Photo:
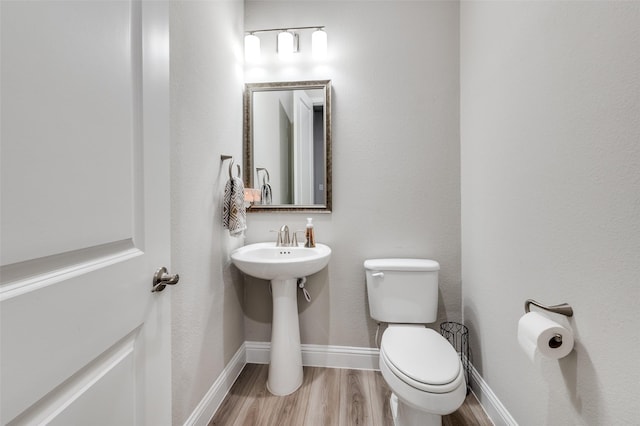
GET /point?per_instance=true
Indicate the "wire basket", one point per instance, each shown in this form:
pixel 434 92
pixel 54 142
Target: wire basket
pixel 458 335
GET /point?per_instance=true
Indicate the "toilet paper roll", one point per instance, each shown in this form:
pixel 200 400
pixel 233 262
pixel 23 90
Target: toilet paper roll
pixel 539 334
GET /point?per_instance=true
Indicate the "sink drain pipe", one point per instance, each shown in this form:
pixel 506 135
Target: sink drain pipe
pixel 301 282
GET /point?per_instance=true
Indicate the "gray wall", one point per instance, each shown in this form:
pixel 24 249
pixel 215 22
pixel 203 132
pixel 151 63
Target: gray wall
pixel 550 131
pixel 394 71
pixel 206 121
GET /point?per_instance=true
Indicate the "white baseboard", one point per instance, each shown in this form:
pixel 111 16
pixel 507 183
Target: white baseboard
pixel 350 357
pixel 257 352
pixel 496 411
pixel 208 406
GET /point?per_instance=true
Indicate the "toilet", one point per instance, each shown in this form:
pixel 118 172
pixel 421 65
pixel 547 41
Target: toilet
pixel 422 369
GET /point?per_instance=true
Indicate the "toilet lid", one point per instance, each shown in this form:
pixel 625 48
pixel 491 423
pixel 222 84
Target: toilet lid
pixel 421 354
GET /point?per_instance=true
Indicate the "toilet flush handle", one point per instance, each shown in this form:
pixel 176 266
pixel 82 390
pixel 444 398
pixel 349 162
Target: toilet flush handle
pixel 378 274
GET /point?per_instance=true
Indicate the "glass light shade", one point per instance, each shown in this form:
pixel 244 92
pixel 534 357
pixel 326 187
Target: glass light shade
pixel 285 45
pixel 251 48
pixel 319 44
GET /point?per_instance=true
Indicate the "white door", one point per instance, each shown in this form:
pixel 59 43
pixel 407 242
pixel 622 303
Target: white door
pixel 302 148
pixel 85 213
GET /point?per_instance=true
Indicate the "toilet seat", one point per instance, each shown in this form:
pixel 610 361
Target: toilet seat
pixel 421 358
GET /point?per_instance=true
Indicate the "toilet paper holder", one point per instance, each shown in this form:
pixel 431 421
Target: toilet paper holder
pixel 562 309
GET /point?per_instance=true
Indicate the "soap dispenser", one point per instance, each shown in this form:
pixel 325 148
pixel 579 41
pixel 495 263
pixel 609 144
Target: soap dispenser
pixel 310 238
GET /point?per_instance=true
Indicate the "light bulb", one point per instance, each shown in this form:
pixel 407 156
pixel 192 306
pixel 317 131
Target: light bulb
pixel 251 48
pixel 319 44
pixel 285 45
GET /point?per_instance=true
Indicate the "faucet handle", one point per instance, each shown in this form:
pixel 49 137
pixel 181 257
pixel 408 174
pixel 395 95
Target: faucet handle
pixel 279 242
pixel 294 242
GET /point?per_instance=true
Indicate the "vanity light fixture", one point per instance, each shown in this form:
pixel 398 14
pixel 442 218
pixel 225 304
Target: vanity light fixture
pixel 251 47
pixel 286 45
pixel 288 42
pixel 319 43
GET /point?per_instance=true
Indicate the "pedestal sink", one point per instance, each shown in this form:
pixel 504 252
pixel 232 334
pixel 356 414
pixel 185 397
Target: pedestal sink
pixel 283 266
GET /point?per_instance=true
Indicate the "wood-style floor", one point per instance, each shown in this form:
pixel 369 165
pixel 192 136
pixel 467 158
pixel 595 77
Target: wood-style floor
pixel 327 397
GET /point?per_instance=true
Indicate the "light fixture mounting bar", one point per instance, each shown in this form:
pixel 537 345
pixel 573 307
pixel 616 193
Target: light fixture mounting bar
pixel 316 27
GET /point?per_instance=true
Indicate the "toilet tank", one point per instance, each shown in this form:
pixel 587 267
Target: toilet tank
pixel 402 290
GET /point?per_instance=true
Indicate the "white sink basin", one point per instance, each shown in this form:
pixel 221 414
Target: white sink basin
pixel 266 261
pixel 283 266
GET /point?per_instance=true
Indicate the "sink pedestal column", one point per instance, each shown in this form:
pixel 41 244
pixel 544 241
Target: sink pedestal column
pixel 285 368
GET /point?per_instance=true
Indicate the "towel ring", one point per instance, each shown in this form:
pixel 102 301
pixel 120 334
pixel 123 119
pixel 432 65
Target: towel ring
pixel 229 157
pixel 231 169
pixel 258 170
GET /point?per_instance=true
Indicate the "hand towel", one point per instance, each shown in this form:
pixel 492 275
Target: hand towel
pixel 266 193
pixel 234 215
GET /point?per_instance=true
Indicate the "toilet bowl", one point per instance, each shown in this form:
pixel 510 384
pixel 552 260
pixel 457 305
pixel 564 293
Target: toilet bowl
pixel 424 373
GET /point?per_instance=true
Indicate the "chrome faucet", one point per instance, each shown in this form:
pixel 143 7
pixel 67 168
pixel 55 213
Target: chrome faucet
pixel 283 237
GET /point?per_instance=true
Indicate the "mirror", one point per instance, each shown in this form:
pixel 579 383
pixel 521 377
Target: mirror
pixel 287 145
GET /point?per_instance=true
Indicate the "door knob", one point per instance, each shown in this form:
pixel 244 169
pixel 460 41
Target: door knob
pixel 161 279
